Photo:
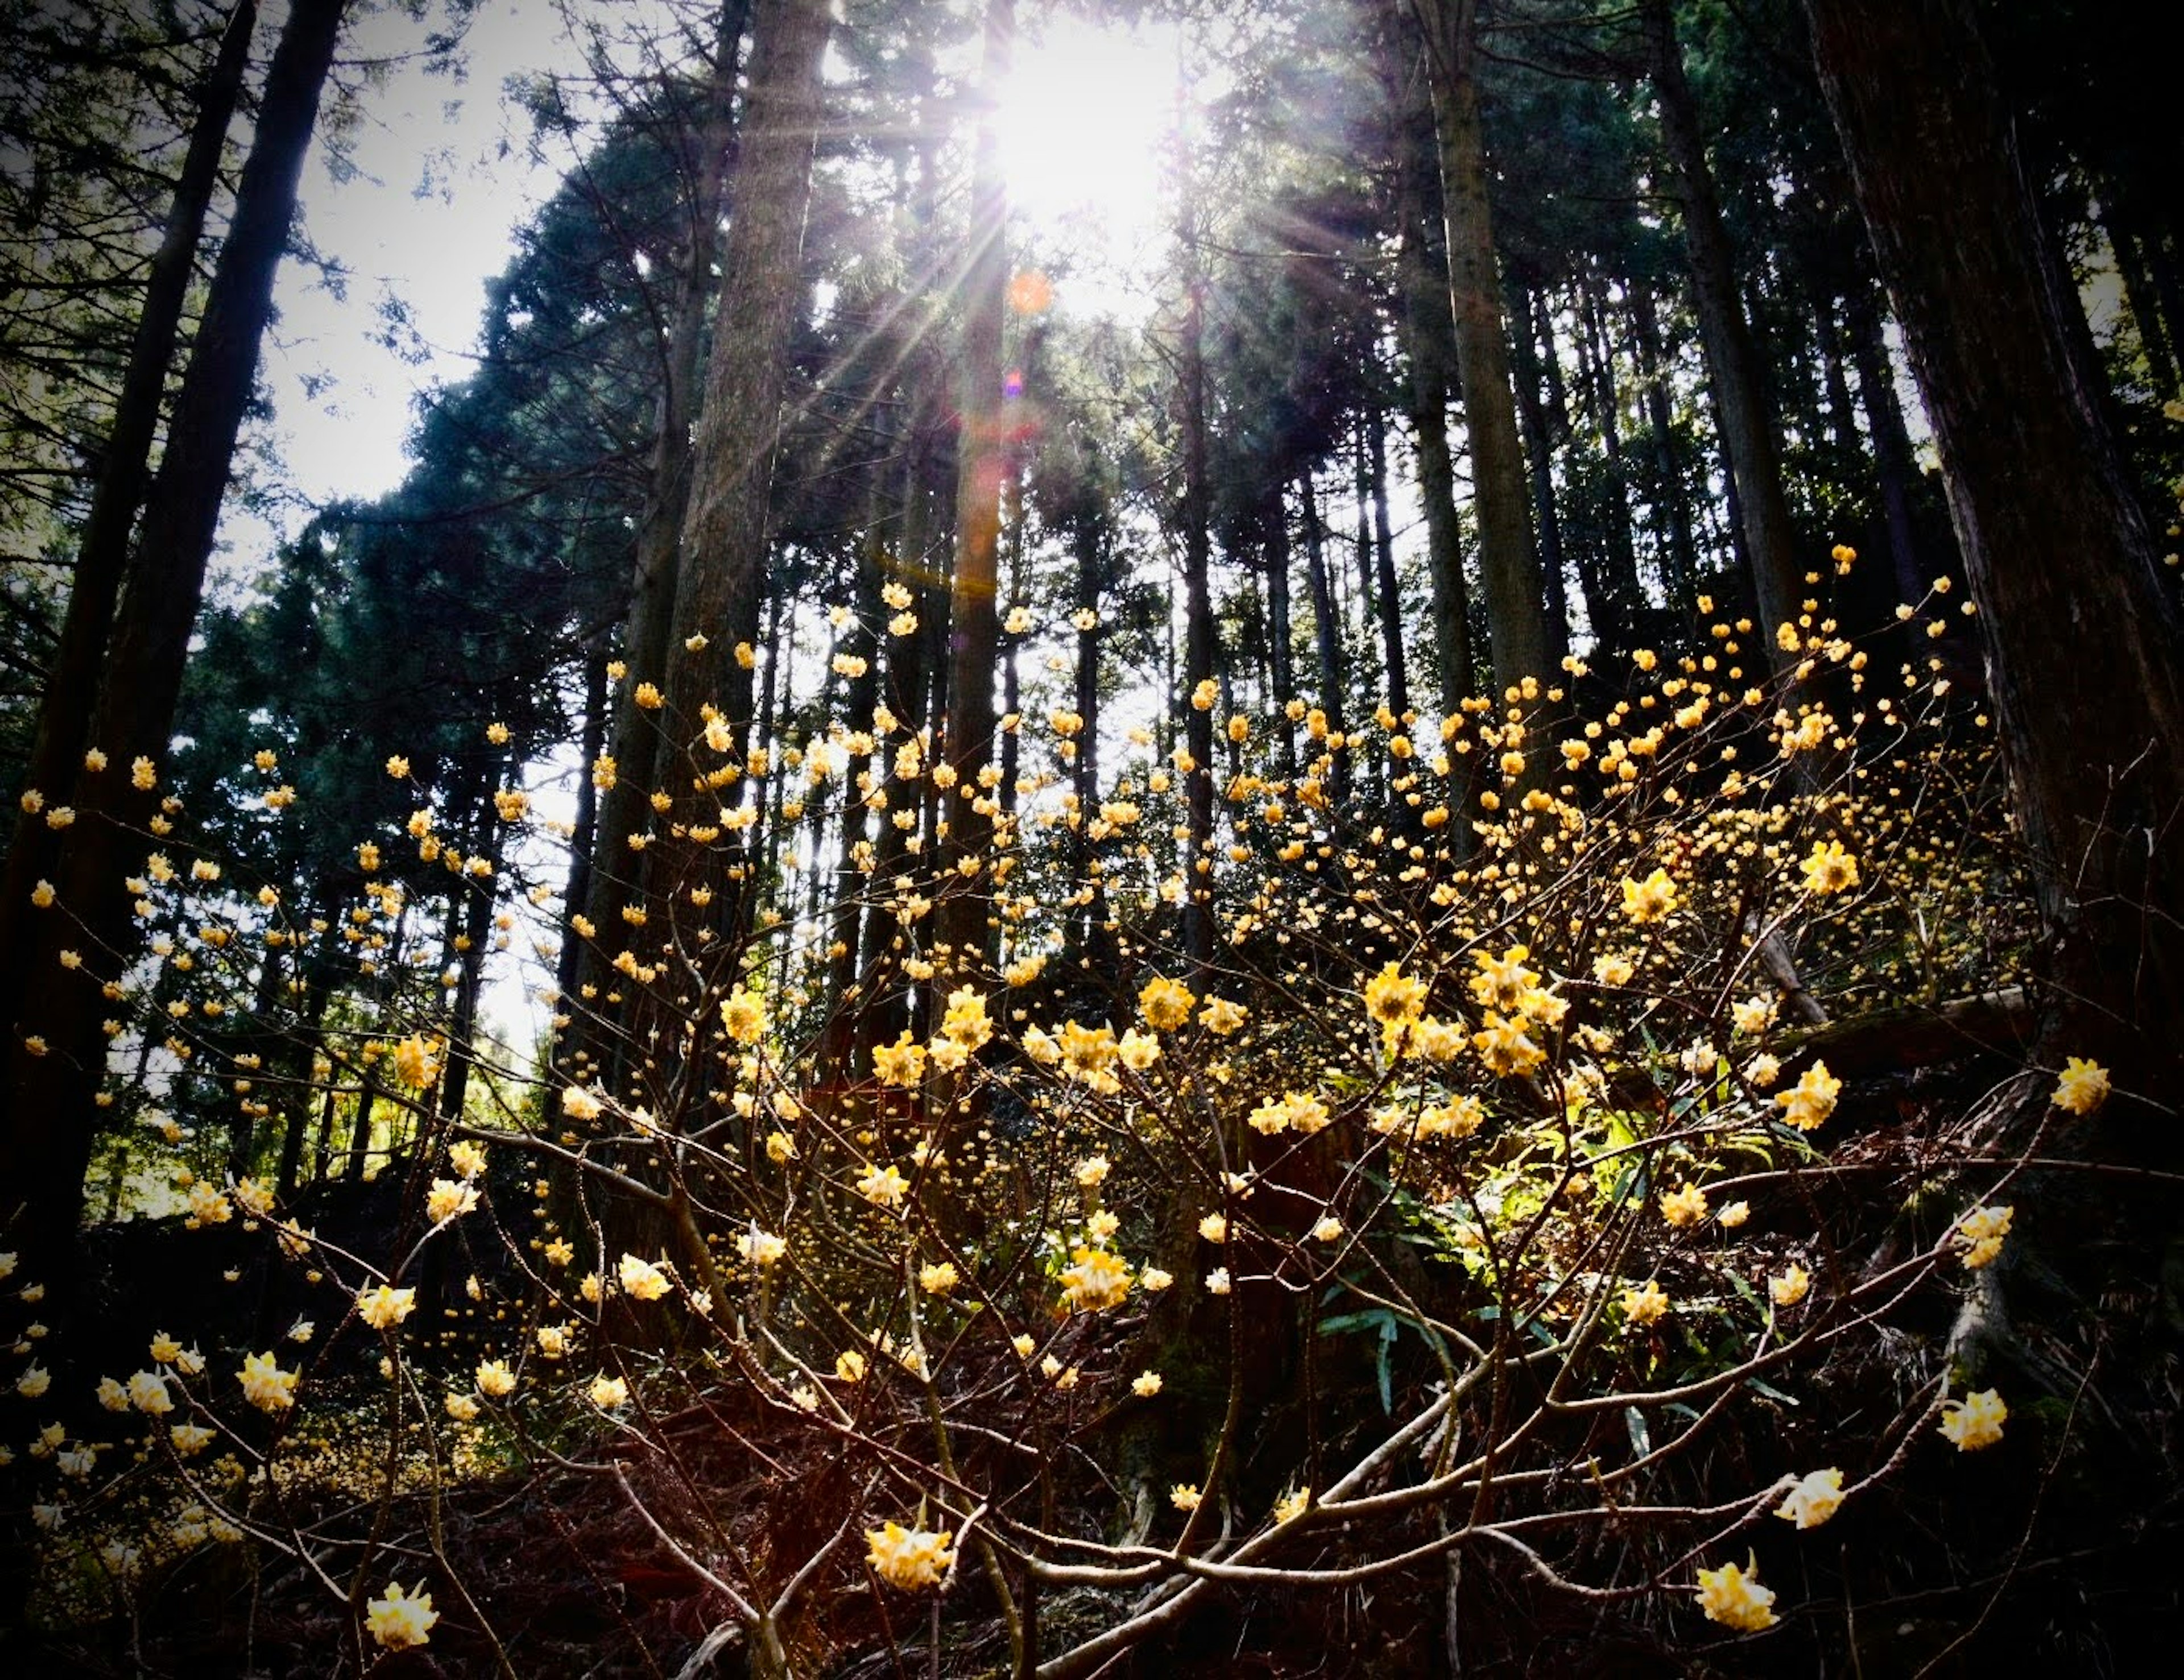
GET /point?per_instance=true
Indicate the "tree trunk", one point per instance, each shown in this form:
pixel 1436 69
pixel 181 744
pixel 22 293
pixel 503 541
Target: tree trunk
pixel 1683 552
pixel 1383 560
pixel 2083 638
pixel 1428 333
pixel 648 649
pixel 1539 448
pixel 726 529
pixel 1895 467
pixel 1198 926
pixel 1747 427
pixel 974 624
pixel 45 1146
pixel 71 681
pixel 1508 563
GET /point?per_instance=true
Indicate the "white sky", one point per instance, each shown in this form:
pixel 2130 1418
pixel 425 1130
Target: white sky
pixel 443 178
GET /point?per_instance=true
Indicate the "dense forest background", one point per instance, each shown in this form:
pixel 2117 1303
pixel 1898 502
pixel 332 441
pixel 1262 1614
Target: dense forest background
pixel 1375 941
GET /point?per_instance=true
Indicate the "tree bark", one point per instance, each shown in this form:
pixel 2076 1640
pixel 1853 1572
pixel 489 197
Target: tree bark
pixel 1747 426
pixel 2083 639
pixel 71 684
pixel 614 872
pixel 45 1147
pixel 1508 563
pixel 974 625
pixel 1428 333
pixel 726 529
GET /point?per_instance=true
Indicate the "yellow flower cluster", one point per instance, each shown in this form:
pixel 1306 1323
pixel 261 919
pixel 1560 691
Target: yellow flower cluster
pixel 1813 1100
pixel 400 1619
pixel 910 1557
pixel 1732 1596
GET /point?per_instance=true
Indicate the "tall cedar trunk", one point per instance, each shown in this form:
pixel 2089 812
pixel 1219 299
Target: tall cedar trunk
pixel 1683 552
pixel 1281 658
pixel 1895 467
pixel 46 1145
pixel 1428 336
pixel 1383 565
pixel 613 875
pixel 838 1042
pixel 974 622
pixel 1747 426
pixel 1327 628
pixel 103 546
pixel 569 969
pixel 1087 934
pixel 1620 552
pixel 1539 448
pixel 1508 564
pixel 2140 293
pixel 1199 936
pixel 725 531
pixel 2083 639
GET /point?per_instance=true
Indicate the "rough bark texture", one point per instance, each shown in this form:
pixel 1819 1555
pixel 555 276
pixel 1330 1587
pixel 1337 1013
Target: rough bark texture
pixel 2083 640
pixel 47 1143
pixel 646 645
pixel 1508 563
pixel 726 530
pixel 974 625
pixel 1428 335
pixel 102 547
pixel 1747 425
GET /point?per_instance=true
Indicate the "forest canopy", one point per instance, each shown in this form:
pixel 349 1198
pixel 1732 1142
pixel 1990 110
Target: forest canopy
pixel 1336 837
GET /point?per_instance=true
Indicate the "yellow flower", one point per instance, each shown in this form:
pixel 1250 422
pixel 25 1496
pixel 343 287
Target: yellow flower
pixel 495 1380
pixel 1975 1421
pixel 850 1365
pixel 1092 1171
pixel 463 1408
pixel 1813 1100
pixel 1981 1232
pixel 1502 981
pixel 385 1306
pixel 1292 1505
pixel 884 1187
pixel 608 1391
pixel 397 767
pixel 1648 900
pixel 1329 1229
pixel 265 1385
pixel 761 1248
pixel 1505 1046
pixel 413 1063
pixel 400 1619
pixel 34 1381
pixel 909 1558
pixel 1790 1288
pixel 1812 1500
pixel 1644 1304
pixel 641 1280
pixel 2082 1088
pixel 1684 1206
pixel 648 697
pixel 1095 1281
pixel 1735 1214
pixel 1146 1384
pixel 1214 1228
pixel 1221 1017
pixel 1393 999
pixel 468 1159
pixel 937 1279
pixel 449 1198
pixel 965 1020
pixel 901 1063
pixel 1829 869
pixel 579 1104
pixel 1733 1596
pixel 1183 1497
pixel 743 1015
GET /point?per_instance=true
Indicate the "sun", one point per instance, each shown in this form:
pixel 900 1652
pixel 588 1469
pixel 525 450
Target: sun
pixel 1084 123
